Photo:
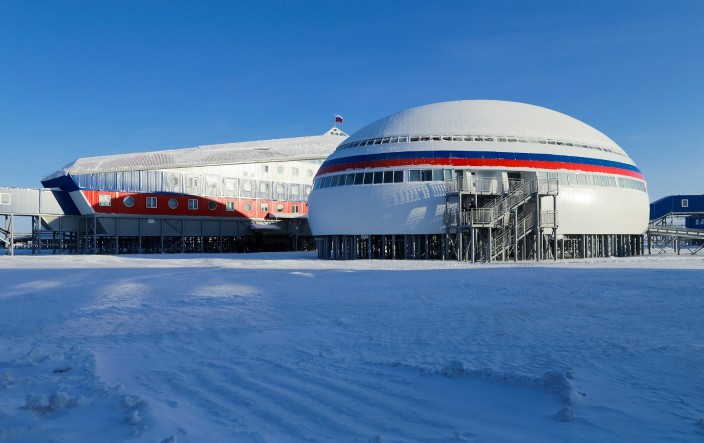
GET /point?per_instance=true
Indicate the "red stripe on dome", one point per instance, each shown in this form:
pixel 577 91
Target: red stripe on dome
pixel 482 162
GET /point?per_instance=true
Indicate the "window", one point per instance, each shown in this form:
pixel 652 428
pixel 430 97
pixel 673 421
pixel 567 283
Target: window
pixel 295 189
pixel 192 204
pixel 414 175
pixel 193 182
pixel 105 200
pixel 388 176
pixel 247 186
pixel 437 175
pixel 212 205
pixel 279 208
pixel 4 198
pixel 151 202
pixel 294 209
pixel 264 187
pixel 110 181
pixel 279 189
pixel 230 184
pixel 173 203
pixel 294 171
pixel 230 206
pixel 398 176
pixel 359 178
pixel 248 207
pixel 128 201
pixel 279 169
pixel 685 203
pixel 265 168
pixel 173 180
pixel 426 175
pixel 309 172
pixel 264 207
pixel 368 176
pixel 349 179
pixel 378 177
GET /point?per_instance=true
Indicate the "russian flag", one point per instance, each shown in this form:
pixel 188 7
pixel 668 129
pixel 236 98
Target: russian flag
pixel 338 118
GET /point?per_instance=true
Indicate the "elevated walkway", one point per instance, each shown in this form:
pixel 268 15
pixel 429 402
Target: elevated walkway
pixel 670 233
pixel 676 223
pixel 676 231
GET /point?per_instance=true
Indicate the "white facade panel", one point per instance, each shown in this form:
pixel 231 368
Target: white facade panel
pixel 379 209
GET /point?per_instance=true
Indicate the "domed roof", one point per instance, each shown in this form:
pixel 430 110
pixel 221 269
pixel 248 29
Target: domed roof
pixel 486 118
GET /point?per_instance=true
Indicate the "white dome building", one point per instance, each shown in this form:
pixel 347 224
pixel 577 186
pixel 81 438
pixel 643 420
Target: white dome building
pixel 478 179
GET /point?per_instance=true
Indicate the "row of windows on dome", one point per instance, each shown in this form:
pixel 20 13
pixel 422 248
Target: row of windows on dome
pixel 441 175
pixel 576 179
pixel 473 138
pixel 379 177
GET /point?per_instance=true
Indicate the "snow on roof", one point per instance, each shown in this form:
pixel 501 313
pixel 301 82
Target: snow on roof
pixel 484 117
pixel 283 149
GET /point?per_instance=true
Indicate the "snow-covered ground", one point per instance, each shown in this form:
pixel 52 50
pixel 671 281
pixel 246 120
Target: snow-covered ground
pixel 285 348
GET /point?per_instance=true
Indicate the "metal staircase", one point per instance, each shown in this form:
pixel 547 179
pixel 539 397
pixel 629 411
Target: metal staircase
pixel 504 221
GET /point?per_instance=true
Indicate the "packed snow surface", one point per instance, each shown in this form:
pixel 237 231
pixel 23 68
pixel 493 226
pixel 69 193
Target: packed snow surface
pixel 286 348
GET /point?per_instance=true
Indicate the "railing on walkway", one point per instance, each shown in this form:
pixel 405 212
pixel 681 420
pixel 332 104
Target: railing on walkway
pixel 678 231
pixel 548 219
pixel 503 239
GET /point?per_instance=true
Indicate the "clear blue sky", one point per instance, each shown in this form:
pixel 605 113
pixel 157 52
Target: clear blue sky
pixel 87 78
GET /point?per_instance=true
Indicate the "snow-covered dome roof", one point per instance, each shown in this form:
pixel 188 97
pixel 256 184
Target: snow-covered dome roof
pixel 485 118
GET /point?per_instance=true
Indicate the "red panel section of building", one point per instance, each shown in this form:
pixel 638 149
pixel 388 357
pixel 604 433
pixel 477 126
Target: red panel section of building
pixel 105 202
